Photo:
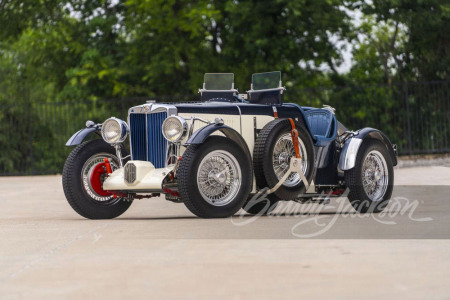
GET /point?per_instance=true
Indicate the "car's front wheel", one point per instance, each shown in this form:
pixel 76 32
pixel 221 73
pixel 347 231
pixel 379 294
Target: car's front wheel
pixel 82 179
pixel 214 178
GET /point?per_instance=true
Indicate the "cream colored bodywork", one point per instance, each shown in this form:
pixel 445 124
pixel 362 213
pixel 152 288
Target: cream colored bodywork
pixel 245 125
pixel 150 179
pixel 233 121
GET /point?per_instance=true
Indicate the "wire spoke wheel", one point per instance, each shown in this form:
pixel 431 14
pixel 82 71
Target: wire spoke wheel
pixel 215 177
pixel 219 177
pixel 283 151
pixel 83 176
pixel 272 155
pixel 87 172
pixel 371 180
pixel 375 175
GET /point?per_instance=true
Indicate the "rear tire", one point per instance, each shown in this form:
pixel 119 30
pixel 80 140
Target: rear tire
pixel 214 178
pixel 80 195
pixel 373 164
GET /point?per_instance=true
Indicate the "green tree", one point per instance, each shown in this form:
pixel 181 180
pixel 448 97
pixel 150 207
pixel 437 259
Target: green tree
pixel 426 51
pixel 378 55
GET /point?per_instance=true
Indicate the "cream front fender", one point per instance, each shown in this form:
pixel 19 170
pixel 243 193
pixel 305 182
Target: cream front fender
pixel 148 179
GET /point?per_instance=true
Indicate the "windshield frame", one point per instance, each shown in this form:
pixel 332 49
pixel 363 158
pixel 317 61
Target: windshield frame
pixel 266 76
pixel 218 86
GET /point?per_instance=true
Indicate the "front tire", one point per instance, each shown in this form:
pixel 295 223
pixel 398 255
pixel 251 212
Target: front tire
pixel 214 178
pixel 371 181
pixel 89 201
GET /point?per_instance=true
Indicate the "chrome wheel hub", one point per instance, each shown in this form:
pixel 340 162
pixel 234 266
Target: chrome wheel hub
pixel 375 176
pixel 283 159
pixel 283 151
pixel 219 177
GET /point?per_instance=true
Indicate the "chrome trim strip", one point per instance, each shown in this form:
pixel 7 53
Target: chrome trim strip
pixel 240 117
pixel 131 146
pixel 281 89
pixel 347 158
pixel 217 91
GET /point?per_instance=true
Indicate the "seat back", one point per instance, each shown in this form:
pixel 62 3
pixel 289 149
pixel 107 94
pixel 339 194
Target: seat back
pixel 322 125
pixel 319 121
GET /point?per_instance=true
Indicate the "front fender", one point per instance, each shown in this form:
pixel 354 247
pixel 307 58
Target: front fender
pixel 80 135
pixel 349 152
pixel 203 133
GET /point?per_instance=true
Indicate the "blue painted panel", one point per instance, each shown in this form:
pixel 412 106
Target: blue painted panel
pixel 157 144
pixel 138 137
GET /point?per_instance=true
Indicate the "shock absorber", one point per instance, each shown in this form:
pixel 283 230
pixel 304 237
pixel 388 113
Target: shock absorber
pixel 108 166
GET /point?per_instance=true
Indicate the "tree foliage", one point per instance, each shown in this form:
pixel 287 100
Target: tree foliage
pixel 68 50
pixel 65 51
pixel 414 34
pixel 62 50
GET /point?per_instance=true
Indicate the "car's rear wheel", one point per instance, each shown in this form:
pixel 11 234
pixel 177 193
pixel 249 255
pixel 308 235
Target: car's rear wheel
pixel 83 176
pixel 214 178
pixel 371 180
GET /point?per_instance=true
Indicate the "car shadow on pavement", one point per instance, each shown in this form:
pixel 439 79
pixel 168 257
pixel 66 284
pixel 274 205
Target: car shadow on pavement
pixel 237 216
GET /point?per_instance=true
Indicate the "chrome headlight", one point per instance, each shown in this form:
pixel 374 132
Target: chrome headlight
pixel 174 128
pixel 114 131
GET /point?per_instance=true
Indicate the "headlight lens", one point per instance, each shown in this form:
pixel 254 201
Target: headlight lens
pixel 114 131
pixel 174 128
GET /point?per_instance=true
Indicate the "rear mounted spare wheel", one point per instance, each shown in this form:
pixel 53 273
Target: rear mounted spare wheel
pixel 271 158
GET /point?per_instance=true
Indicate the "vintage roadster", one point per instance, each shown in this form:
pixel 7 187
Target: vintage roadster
pixel 228 151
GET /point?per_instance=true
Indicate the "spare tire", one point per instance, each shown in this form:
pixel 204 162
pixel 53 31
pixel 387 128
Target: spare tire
pixel 271 157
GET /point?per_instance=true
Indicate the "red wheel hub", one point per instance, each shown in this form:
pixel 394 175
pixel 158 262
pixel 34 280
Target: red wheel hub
pixel 97 173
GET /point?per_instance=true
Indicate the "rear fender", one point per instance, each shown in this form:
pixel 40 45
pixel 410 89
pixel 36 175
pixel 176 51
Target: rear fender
pixel 351 147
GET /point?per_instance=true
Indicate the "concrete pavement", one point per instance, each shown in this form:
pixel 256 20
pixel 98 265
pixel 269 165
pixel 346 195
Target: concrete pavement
pixel 159 249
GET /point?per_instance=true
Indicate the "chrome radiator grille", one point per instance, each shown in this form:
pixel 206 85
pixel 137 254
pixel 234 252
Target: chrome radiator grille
pixel 147 141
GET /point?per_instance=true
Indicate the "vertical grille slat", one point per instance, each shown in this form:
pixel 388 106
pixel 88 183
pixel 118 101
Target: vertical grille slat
pixel 156 142
pixel 137 129
pixel 147 128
